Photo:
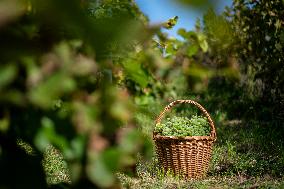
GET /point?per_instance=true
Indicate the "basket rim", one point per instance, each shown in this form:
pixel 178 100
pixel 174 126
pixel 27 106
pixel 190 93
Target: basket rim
pixel 161 137
pixel 203 110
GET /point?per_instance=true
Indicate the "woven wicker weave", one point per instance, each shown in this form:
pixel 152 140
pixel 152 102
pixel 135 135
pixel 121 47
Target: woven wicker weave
pixel 185 156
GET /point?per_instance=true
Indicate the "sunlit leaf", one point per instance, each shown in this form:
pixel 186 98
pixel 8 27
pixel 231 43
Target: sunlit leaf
pixel 186 34
pixel 77 146
pixel 144 100
pixel 202 42
pixel 112 158
pixel 199 71
pixel 130 141
pixel 4 124
pixel 192 50
pixel 99 172
pixel 47 136
pixel 7 74
pixel 120 111
pixel 136 73
pixel 41 141
pixel 52 89
pixel 171 22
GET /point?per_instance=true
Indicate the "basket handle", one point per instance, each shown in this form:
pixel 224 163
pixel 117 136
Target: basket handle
pixel 169 107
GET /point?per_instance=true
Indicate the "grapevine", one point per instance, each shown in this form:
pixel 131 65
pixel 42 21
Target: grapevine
pixel 183 126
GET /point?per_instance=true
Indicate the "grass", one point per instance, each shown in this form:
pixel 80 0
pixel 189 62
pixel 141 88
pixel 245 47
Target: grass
pixel 216 182
pixel 242 158
pixel 246 155
pixel 55 168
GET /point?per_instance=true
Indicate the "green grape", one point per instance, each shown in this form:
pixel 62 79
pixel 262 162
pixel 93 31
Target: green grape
pixel 183 126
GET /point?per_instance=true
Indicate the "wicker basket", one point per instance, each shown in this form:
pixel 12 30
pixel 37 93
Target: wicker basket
pixel 188 157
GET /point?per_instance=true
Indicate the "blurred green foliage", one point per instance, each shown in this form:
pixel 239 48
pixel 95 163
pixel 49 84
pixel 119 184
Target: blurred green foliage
pixel 89 77
pixel 56 87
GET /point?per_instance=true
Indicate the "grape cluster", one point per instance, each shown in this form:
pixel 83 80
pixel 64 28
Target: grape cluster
pixel 183 126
